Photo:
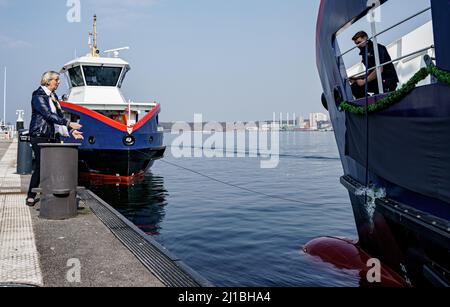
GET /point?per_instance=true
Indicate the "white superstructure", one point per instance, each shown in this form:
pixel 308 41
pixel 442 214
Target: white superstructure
pixel 95 82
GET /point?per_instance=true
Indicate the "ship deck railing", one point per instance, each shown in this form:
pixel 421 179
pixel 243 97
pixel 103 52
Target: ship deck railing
pixel 408 57
pixel 389 28
pixel 374 37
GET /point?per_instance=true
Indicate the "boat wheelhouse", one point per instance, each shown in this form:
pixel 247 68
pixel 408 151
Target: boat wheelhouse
pixel 122 138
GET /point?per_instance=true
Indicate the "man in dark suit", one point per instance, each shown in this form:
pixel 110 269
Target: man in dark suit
pixel 47 125
pixel 388 72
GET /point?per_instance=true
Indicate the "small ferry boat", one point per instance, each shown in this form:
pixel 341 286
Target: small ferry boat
pixel 122 139
pixel 393 146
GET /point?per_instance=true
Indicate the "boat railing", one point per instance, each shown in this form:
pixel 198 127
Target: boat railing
pixel 388 29
pixel 374 37
pixel 152 104
pixel 408 57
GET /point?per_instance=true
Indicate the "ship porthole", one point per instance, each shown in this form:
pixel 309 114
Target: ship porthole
pixel 129 140
pixel 151 139
pixel 91 140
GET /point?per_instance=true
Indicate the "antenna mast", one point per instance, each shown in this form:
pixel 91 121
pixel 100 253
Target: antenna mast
pixel 94 51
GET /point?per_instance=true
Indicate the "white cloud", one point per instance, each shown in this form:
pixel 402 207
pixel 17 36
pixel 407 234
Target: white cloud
pixel 11 43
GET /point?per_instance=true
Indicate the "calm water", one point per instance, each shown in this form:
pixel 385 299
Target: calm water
pixel 236 237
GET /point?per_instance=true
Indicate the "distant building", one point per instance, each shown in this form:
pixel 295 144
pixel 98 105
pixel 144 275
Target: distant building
pixel 315 118
pixel 300 122
pixel 324 126
pixel 274 126
pixel 307 124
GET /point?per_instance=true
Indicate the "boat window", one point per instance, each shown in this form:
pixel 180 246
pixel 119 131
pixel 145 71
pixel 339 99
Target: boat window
pixel 76 77
pixel 405 30
pixel 125 71
pixel 101 75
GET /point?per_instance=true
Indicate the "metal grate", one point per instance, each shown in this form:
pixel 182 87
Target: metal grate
pixel 168 268
pixel 19 260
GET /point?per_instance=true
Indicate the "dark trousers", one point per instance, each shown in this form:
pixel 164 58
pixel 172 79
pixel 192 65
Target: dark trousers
pixel 36 177
pixel 359 91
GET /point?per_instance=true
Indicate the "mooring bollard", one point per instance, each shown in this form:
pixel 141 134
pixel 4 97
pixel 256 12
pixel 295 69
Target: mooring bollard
pixel 59 180
pixel 24 154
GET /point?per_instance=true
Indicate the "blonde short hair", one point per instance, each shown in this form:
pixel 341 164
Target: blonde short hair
pixel 49 76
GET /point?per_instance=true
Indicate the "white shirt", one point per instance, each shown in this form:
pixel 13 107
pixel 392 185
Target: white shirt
pixel 62 130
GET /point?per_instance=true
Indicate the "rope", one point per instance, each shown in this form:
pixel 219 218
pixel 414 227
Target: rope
pixel 366 113
pixel 233 185
pixel 239 187
pixel 257 154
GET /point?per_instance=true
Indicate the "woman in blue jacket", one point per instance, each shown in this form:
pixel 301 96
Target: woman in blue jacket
pixel 47 125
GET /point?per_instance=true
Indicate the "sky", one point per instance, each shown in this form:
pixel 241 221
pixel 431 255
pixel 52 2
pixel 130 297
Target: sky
pixel 230 60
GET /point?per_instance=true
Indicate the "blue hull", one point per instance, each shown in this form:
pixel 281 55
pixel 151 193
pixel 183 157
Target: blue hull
pixel 108 147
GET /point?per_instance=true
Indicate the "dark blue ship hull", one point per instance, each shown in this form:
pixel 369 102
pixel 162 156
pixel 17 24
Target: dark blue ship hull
pixel 127 163
pixel 404 151
pixel 110 148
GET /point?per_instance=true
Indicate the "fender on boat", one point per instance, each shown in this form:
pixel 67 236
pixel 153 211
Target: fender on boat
pixel 346 254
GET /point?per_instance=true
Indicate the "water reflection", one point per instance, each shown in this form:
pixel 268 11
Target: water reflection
pixel 143 203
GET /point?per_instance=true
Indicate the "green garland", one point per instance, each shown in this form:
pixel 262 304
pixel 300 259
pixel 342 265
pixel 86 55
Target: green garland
pixel 395 97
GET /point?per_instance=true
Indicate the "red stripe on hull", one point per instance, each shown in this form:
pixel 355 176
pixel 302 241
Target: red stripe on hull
pixel 108 121
pixel 96 179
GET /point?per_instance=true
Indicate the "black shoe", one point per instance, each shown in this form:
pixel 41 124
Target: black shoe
pixel 30 202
